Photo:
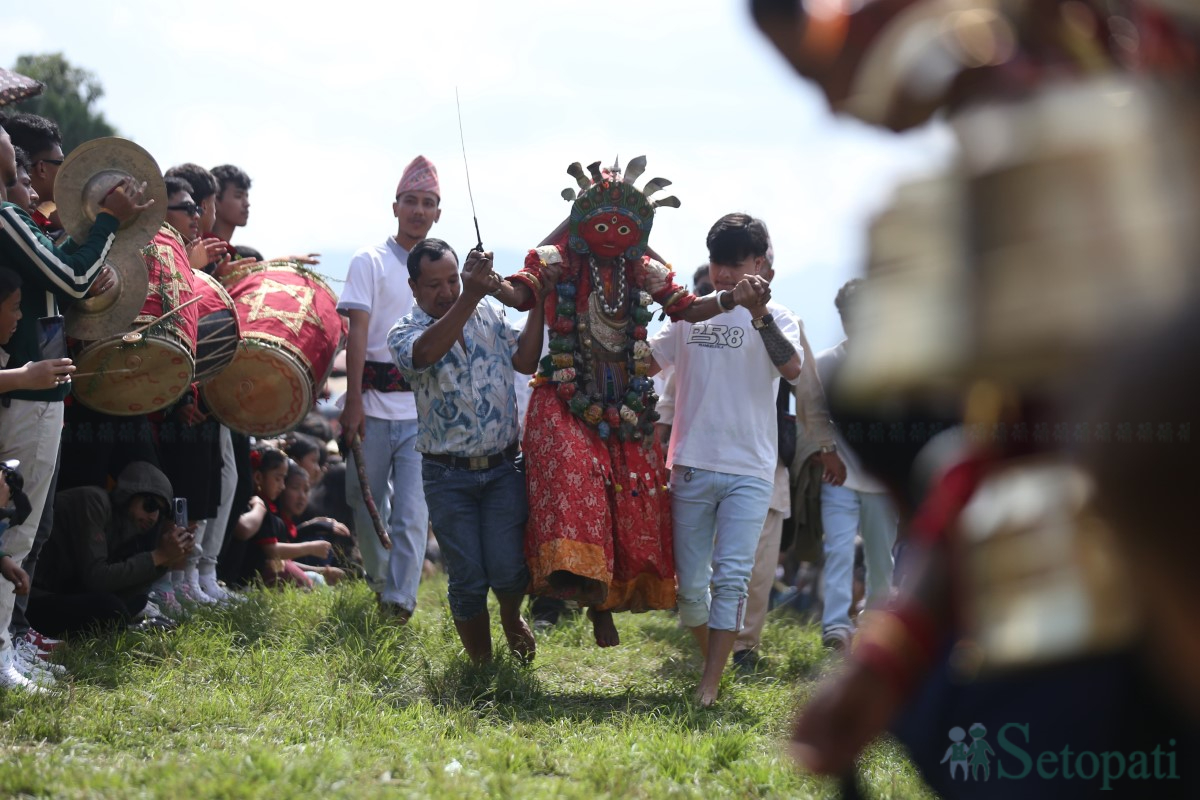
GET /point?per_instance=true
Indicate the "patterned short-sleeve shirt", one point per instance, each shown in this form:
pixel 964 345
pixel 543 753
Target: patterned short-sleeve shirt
pixel 466 404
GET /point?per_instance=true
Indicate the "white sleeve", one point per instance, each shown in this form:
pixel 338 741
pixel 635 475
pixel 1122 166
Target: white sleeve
pixel 359 291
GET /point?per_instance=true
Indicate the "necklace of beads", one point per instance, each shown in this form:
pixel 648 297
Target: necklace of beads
pixel 598 285
pixel 570 364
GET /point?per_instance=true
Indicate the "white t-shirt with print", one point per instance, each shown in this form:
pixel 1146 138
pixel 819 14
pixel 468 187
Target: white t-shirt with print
pixel 377 282
pixel 725 385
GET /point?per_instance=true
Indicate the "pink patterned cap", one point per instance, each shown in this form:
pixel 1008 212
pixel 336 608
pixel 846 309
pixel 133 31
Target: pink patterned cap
pixel 419 176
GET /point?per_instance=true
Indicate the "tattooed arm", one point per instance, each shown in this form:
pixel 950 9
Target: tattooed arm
pixel 781 350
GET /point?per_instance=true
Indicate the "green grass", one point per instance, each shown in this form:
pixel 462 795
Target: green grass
pixel 313 695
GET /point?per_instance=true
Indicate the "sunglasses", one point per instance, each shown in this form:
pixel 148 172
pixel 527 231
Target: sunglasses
pixel 191 209
pixel 58 162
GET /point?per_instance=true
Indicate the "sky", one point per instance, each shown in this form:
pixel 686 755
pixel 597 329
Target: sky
pixel 324 104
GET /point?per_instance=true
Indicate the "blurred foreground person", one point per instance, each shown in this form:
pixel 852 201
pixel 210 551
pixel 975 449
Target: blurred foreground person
pixel 1066 224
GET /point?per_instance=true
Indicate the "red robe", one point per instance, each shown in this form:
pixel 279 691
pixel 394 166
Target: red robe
pixel 599 528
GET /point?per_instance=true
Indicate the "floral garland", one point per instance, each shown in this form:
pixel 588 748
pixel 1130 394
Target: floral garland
pixel 569 364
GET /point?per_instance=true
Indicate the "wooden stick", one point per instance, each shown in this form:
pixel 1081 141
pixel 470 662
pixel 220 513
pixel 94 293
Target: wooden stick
pixel 174 310
pixel 75 375
pixel 365 485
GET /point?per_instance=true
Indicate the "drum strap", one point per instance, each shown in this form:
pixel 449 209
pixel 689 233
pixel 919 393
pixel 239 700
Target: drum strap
pixel 383 377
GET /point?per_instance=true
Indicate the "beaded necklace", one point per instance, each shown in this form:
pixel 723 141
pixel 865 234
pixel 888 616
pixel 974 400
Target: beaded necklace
pixel 571 364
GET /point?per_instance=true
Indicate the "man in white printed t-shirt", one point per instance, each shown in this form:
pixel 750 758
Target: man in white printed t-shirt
pixel 379 405
pixel 724 439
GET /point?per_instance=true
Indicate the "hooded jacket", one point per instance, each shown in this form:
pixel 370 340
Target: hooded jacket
pixel 94 546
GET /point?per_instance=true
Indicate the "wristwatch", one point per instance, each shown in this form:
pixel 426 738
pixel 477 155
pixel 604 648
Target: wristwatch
pixel 762 322
pixel 721 295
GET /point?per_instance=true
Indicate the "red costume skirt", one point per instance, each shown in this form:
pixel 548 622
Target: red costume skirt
pixel 599 529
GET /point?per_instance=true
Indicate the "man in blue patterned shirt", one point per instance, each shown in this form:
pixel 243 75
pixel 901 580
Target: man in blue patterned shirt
pixel 459 352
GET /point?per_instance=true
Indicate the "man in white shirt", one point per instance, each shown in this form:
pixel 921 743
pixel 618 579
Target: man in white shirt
pixel 858 505
pixel 724 439
pixel 378 404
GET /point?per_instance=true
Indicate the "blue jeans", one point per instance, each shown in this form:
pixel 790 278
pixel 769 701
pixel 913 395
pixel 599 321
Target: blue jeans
pixel 394 474
pixel 479 520
pixel 718 519
pixel 844 513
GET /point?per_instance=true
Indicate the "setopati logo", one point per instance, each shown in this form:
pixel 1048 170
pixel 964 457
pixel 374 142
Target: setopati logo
pixel 969 757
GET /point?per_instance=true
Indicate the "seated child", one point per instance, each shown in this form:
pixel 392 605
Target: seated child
pixel 292 503
pixel 270 548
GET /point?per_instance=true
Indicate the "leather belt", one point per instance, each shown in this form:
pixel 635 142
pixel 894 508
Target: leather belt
pixel 475 463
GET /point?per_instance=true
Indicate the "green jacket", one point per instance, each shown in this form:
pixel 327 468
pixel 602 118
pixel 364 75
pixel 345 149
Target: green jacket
pixel 48 274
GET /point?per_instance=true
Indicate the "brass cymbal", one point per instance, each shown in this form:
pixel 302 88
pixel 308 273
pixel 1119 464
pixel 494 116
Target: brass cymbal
pixel 113 312
pixel 89 174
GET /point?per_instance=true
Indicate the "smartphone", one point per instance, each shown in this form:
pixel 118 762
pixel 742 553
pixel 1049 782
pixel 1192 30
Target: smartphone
pixel 179 505
pixel 53 342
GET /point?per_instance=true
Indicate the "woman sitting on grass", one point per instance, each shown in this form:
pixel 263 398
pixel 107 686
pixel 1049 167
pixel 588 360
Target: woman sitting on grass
pixel 270 552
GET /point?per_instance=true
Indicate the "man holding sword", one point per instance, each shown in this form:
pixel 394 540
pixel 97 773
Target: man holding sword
pixel 458 352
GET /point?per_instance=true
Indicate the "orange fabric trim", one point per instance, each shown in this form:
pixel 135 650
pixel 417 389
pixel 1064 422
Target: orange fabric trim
pixel 644 593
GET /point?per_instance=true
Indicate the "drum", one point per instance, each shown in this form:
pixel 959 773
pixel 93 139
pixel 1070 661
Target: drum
pixel 150 367
pixel 291 331
pixel 219 330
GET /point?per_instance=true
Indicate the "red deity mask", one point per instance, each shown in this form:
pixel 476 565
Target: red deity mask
pixel 609 234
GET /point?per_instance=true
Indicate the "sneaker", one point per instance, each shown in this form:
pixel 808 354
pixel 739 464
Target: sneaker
pixel 187 593
pixel 13 680
pixel 32 669
pixel 837 639
pixel 747 661
pixel 42 642
pixel 30 654
pixel 215 590
pixel 165 604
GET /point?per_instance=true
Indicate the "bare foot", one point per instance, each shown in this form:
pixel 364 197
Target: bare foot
pixel 604 628
pixel 520 641
pixel 705 697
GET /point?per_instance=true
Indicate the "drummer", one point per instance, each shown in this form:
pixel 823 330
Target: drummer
pixel 183 214
pixel 31 421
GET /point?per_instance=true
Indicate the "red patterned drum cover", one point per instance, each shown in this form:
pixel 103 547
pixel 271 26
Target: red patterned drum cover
pixel 151 367
pixel 219 329
pixel 290 333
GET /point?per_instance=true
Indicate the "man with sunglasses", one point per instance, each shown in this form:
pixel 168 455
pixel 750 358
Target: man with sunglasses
pixel 182 212
pixel 42 140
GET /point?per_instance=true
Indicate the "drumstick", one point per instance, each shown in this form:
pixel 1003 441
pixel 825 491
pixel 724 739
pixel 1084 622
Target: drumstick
pixel 177 308
pixel 75 375
pixel 365 485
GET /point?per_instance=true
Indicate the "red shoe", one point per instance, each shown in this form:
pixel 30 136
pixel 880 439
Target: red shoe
pixel 44 644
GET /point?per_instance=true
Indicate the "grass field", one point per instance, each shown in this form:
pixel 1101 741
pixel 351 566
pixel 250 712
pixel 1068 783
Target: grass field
pixel 313 695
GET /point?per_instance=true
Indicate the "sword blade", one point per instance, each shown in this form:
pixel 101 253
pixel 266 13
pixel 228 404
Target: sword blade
pixel 467 168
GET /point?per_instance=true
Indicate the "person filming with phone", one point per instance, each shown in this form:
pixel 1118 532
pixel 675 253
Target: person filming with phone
pixel 105 551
